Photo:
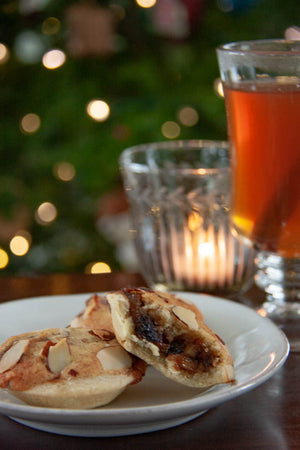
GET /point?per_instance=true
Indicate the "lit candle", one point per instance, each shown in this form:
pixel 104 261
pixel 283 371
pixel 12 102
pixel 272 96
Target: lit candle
pixel 206 260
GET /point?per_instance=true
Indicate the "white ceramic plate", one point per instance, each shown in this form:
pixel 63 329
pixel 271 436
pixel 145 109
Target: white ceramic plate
pixel 257 346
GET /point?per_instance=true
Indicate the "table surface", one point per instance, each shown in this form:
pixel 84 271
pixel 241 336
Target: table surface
pixel 267 417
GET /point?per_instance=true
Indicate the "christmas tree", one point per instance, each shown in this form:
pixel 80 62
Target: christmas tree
pixel 80 81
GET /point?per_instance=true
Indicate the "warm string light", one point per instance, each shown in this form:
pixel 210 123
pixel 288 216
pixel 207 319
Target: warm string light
pixel 188 116
pixel 19 245
pixel 98 110
pixel 64 171
pixel 54 59
pixel 30 123
pixel 170 129
pixel 4 53
pixel 98 267
pixel 4 258
pixel 146 3
pixel 46 213
pixel 218 87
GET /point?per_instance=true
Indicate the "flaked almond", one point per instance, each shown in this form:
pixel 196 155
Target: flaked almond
pixel 187 316
pixel 59 356
pixel 114 358
pixel 13 355
pixel 105 335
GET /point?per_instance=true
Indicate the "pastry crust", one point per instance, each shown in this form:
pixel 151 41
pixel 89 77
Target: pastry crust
pixel 67 368
pixel 96 315
pixel 171 335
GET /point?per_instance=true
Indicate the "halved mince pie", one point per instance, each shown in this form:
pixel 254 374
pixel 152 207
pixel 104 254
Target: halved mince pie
pixel 170 334
pixel 67 368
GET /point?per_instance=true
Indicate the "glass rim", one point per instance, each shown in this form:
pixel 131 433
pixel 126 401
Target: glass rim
pixel 175 145
pixel 237 47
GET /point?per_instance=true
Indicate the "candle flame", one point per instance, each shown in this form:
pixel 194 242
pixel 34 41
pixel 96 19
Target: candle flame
pixel 206 249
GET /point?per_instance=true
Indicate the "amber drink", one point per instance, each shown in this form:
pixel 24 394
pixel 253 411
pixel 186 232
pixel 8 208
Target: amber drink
pixel 264 130
pixel 261 81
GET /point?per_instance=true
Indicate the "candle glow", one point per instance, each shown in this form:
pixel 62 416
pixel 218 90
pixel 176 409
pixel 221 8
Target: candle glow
pixel 207 257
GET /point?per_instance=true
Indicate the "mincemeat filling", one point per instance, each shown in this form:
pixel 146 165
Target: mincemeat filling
pixel 186 353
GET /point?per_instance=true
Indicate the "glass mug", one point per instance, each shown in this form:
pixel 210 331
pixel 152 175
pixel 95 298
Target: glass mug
pixel 178 193
pixel 261 81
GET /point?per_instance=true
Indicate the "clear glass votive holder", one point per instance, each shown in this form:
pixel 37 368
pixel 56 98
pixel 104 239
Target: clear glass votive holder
pixel 178 193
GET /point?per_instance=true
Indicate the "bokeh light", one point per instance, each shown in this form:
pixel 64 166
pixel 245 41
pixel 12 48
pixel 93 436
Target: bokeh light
pixel 218 86
pixel 170 129
pixel 30 123
pixel 98 110
pixel 4 259
pixel 54 59
pixel 51 26
pixel 19 245
pixel 64 171
pixel 4 53
pixel 146 3
pixel 29 47
pixel 98 267
pixel 46 213
pixel 188 116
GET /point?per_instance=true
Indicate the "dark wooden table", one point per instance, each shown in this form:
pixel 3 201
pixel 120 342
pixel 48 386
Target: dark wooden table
pixel 268 417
